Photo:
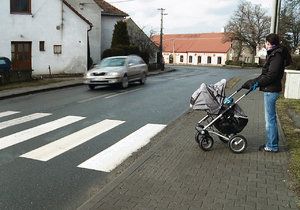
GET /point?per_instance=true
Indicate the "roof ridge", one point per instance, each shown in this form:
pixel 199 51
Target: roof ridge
pixel 109 9
pixel 77 13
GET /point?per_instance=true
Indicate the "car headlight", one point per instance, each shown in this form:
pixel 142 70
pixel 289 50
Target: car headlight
pixel 113 74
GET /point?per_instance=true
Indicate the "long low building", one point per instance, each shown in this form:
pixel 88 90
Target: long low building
pixel 195 49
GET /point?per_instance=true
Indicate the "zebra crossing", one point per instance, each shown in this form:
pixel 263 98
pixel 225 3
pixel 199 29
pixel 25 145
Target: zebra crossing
pixel 105 160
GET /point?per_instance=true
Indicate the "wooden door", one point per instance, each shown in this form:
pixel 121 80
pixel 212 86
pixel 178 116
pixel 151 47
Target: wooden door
pixel 21 56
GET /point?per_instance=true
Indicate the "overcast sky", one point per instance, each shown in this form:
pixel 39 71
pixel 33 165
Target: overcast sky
pixel 183 16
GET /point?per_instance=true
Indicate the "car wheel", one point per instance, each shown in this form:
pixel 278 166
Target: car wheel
pixel 124 83
pixel 92 87
pixel 143 79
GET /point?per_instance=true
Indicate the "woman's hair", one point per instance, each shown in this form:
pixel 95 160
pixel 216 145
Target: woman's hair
pixel 273 39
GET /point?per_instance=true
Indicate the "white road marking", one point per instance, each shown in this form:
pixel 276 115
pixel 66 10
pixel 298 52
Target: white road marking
pixel 7 113
pixel 94 98
pixel 62 145
pixel 25 135
pixel 122 93
pixel 111 157
pixel 24 119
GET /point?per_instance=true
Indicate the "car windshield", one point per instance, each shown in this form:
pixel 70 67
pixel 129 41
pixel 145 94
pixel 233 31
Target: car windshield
pixel 2 62
pixel 111 62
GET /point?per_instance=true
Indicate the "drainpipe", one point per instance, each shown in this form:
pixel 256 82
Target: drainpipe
pixel 49 69
pixel 88 47
pixel 62 14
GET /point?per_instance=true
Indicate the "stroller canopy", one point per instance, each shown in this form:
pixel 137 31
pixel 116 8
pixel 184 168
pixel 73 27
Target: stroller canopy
pixel 209 97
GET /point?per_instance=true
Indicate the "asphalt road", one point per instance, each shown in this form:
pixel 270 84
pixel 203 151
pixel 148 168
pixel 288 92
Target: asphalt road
pixel 58 183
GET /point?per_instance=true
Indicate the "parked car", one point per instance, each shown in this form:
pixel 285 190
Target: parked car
pixel 5 64
pixel 119 70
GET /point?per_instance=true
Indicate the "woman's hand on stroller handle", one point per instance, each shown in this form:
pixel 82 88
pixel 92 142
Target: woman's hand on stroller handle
pixel 251 85
pixel 228 100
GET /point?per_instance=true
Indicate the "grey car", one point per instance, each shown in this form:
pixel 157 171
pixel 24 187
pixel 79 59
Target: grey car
pixel 119 70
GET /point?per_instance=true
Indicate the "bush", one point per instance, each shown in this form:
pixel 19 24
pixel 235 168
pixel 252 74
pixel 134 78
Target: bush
pixel 112 52
pixel 296 63
pixel 241 63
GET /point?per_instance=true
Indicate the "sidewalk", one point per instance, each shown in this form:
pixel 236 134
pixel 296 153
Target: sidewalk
pixel 176 174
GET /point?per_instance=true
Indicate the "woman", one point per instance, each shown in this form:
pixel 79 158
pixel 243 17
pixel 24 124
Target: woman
pixel 270 83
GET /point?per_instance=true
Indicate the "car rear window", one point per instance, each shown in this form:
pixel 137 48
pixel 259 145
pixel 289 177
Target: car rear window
pixel 2 62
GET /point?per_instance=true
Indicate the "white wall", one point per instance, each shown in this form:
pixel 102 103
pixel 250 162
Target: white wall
pixel 204 56
pixel 92 12
pixel 42 26
pixel 108 25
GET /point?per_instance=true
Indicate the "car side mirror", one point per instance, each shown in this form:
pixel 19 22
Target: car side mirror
pixel 130 64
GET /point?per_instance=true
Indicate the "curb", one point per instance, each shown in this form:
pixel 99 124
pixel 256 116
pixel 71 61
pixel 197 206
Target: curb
pixel 36 90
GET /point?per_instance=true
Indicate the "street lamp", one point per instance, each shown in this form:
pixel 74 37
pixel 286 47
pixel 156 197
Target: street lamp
pixel 275 16
pixel 161 37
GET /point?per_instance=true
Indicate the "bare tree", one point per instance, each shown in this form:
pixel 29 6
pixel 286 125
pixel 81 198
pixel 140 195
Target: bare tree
pixel 248 26
pixel 289 24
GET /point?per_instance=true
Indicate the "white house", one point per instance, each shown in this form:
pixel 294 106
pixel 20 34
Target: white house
pixel 92 11
pixel 195 49
pixel 45 36
pixel 110 15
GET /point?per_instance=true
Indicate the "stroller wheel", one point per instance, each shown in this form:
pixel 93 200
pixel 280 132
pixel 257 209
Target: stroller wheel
pixel 198 136
pixel 237 143
pixel 206 142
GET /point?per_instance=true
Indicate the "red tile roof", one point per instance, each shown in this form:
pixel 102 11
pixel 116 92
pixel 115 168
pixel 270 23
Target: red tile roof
pixel 204 43
pixel 109 9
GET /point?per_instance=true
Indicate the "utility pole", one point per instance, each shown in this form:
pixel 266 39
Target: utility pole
pixel 275 16
pixel 161 37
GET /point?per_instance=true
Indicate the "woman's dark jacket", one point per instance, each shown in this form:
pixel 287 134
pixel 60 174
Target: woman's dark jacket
pixel 273 70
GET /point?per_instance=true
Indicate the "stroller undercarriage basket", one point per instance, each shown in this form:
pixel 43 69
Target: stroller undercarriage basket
pixel 222 120
pixel 231 123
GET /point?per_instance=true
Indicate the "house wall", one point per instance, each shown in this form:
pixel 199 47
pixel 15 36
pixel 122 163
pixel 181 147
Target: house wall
pixel 47 24
pixel 204 56
pixel 92 12
pixel 139 38
pixel 108 25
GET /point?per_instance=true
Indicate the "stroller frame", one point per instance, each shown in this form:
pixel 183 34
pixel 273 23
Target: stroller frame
pixel 205 141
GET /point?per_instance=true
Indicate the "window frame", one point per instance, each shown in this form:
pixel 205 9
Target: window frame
pixel 14 9
pixel 55 49
pixel 190 59
pixel 42 46
pixel 208 59
pixel 181 58
pixel 199 59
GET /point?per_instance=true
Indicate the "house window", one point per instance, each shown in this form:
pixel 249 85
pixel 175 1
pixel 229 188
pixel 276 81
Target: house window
pixel 42 45
pixel 190 59
pixel 181 58
pixel 199 59
pixel 208 59
pixel 219 60
pixel 20 6
pixel 171 60
pixel 57 49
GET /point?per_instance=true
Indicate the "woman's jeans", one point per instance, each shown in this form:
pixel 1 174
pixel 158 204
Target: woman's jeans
pixel 270 99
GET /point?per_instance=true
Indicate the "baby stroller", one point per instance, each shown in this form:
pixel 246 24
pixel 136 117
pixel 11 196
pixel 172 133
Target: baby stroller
pixel 224 118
